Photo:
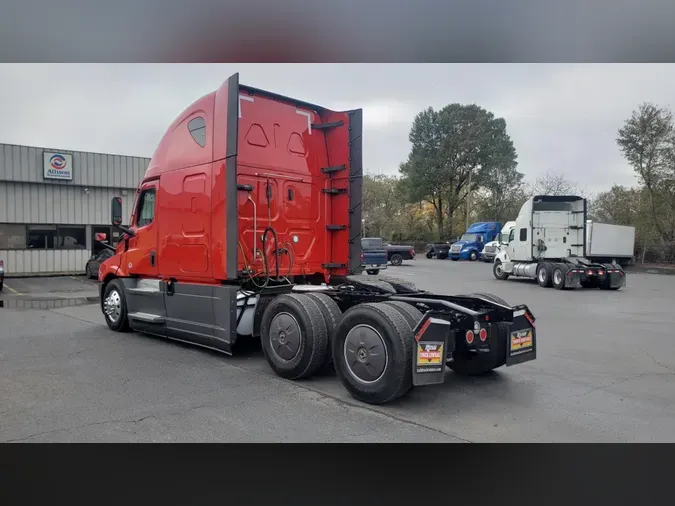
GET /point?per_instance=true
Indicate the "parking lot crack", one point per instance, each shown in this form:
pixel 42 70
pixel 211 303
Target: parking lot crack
pixel 658 363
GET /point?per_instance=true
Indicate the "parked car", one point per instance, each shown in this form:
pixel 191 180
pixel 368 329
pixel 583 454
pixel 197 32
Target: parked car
pixel 397 253
pixel 2 274
pixel 440 250
pixel 373 255
pixel 95 262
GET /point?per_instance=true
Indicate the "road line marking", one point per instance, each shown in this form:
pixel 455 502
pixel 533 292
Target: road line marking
pixel 12 289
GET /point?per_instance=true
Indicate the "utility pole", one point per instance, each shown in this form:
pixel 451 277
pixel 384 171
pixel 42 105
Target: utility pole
pixel 468 200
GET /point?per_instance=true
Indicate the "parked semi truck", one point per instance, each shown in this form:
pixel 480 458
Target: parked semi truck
pixel 610 243
pixel 549 244
pixel 246 225
pixel 470 245
pixel 491 248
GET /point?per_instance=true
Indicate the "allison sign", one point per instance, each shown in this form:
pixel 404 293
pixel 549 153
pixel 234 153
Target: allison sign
pixel 57 166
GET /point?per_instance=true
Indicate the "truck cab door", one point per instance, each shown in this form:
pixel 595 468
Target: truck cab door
pixel 142 247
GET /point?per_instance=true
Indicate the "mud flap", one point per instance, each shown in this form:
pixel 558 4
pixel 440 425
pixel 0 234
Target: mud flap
pixel 573 278
pixel 522 338
pixel 432 338
pixel 617 278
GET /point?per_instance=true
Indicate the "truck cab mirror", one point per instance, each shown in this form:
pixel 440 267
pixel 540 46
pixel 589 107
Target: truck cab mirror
pixel 101 236
pixel 116 216
pixel 116 211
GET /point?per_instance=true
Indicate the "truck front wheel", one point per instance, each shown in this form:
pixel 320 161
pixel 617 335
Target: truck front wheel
pixel 372 352
pixel 294 336
pixel 473 256
pixel 115 306
pixel 498 270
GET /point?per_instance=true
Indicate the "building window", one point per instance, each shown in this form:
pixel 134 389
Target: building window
pixel 197 128
pixel 146 208
pixel 41 236
pixel 523 234
pixel 12 236
pixel 71 237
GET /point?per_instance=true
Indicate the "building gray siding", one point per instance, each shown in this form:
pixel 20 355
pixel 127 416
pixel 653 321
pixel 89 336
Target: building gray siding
pixel 25 164
pixel 33 203
pixel 26 198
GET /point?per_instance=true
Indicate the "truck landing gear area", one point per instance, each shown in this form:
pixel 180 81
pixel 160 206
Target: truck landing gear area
pixel 264 243
pixel 549 244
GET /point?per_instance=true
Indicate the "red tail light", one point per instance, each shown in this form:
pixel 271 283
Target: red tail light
pixel 483 334
pixel 362 257
pixel 469 336
pixel 412 252
pixel 590 273
pixel 600 273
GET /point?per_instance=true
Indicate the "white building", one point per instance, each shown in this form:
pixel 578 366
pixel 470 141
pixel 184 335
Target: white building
pixel 52 202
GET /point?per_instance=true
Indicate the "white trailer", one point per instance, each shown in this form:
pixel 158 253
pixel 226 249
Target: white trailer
pixel 549 244
pixel 609 243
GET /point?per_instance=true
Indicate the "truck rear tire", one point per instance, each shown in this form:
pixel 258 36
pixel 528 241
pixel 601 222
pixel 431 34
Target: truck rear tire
pixel 372 352
pixel 114 306
pixel 498 270
pixel 558 276
pixel 396 259
pixel 373 272
pixel 331 317
pixel 544 274
pixel 411 314
pixel 491 297
pixel 294 336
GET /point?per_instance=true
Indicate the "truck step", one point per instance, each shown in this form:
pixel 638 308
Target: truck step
pixel 334 191
pixel 147 317
pixel 334 168
pixel 325 126
pixel 334 266
pixel 336 227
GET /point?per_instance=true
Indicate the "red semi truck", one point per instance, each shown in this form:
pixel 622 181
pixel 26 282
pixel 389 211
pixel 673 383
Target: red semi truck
pixel 247 225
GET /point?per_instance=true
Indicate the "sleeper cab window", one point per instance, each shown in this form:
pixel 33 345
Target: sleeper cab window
pixel 523 234
pixel 146 208
pixel 197 129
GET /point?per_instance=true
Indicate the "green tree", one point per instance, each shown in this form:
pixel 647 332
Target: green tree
pixel 455 150
pixel 647 141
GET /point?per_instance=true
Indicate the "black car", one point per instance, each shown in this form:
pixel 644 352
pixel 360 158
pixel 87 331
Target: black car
pixel 95 262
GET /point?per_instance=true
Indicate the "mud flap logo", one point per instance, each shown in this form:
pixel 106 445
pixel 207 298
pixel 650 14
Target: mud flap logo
pixel 429 354
pixel 521 341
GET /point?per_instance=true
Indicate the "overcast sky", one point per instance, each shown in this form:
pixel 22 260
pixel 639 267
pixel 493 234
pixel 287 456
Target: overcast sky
pixel 561 117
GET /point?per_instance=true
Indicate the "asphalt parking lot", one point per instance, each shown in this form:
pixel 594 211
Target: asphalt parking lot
pixel 605 372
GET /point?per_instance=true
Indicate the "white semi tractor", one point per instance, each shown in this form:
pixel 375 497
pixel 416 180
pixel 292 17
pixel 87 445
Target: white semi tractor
pixel 492 248
pixel 550 244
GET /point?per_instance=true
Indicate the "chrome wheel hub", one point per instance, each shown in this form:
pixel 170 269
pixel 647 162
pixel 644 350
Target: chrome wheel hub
pixel 112 306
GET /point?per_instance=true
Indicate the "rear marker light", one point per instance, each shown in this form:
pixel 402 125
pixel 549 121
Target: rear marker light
pixel 469 336
pixel 590 273
pixel 600 273
pixel 483 335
